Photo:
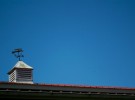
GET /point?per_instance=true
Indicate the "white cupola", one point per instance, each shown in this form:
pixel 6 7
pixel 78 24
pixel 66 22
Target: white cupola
pixel 21 73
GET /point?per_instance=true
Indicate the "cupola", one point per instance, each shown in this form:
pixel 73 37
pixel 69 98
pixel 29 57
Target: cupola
pixel 21 72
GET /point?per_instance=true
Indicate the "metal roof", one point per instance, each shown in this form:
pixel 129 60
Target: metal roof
pixel 45 91
pixel 20 65
pixel 36 85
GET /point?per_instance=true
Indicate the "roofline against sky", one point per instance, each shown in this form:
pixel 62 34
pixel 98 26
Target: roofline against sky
pixel 70 85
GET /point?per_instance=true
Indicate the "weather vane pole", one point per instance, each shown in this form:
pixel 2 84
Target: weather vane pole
pixel 18 53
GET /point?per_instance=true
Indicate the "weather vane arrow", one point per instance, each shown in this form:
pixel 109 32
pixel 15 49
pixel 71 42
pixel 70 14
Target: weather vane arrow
pixel 18 53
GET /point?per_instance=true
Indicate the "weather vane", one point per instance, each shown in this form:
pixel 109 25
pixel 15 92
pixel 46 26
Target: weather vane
pixel 18 53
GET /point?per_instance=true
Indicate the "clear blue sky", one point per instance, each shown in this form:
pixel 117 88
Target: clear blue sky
pixel 84 42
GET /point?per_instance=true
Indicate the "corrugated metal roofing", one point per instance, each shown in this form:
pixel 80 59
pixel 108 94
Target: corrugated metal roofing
pixel 61 90
pixel 69 85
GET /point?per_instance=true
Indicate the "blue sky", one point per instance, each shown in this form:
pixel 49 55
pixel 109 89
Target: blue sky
pixel 83 42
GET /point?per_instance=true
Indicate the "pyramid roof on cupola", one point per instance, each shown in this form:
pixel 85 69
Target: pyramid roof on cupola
pixel 20 65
